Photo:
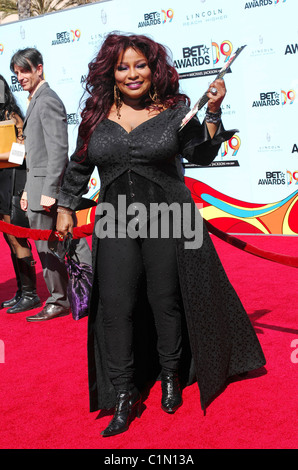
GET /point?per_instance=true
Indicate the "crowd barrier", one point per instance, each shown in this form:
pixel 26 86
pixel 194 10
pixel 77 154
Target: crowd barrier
pixel 86 230
pixel 35 234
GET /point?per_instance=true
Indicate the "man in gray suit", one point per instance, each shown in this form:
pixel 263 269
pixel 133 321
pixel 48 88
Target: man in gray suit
pixel 46 146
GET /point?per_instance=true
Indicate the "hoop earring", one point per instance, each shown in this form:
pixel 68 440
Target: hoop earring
pixel 117 100
pixel 154 98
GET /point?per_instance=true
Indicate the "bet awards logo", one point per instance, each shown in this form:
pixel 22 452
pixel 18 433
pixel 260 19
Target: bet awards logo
pixel 15 86
pixel 269 98
pixel 200 55
pixel 262 3
pixel 291 49
pixel 274 178
pixel 157 18
pixel 273 98
pixel 258 3
pixel 193 56
pixel 72 119
pixel 66 37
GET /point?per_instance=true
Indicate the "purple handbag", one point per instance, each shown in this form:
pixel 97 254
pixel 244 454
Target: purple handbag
pixel 79 283
pixel 79 274
pixel 79 287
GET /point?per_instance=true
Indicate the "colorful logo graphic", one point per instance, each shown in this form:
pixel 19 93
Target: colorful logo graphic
pixel 292 177
pixel 92 183
pixel 288 97
pixel 156 18
pixel 236 216
pixel 274 98
pixel 234 143
pixel 65 37
pixel 168 15
pixel 76 34
pixel 225 49
pixel 86 216
pixel 1 49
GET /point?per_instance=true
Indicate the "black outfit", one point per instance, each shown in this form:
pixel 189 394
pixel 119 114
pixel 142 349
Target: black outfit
pixel 6 186
pixel 12 180
pixel 217 339
pixel 119 285
pixel 12 183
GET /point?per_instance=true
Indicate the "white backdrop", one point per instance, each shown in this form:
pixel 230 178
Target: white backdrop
pixel 256 170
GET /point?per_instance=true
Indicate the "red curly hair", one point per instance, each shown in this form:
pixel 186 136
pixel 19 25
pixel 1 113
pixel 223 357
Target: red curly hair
pixel 100 80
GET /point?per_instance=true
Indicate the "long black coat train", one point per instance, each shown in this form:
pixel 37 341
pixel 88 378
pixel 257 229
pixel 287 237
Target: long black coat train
pixel 218 340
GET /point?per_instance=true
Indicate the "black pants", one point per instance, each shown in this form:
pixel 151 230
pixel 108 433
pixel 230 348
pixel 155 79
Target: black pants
pixel 121 263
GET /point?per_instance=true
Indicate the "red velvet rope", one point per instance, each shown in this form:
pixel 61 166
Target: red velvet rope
pixel 35 234
pixel 86 230
pixel 253 250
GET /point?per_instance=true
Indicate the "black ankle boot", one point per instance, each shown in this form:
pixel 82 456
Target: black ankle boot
pixel 18 295
pixel 29 299
pixel 171 392
pixel 13 301
pixel 128 406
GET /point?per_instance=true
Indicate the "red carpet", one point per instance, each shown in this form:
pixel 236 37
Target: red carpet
pixel 44 389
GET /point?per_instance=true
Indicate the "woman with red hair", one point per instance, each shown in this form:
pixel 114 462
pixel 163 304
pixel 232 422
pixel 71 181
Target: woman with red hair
pixel 161 306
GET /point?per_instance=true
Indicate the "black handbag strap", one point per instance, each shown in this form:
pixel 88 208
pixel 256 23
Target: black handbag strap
pixel 69 248
pixel 67 243
pixel 62 248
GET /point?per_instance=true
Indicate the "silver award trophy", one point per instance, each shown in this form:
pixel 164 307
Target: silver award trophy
pixel 203 100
